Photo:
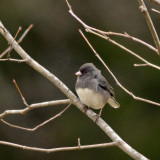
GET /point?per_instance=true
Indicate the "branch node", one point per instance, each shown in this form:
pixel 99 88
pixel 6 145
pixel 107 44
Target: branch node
pixel 119 143
pixel 79 143
pixel 143 9
pixel 69 6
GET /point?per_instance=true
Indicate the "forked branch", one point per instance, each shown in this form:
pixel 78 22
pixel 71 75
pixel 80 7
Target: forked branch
pixel 153 31
pixel 74 100
pixel 114 77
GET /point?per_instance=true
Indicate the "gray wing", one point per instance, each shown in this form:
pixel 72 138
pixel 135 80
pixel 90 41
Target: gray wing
pixel 102 82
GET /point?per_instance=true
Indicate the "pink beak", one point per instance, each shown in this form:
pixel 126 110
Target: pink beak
pixel 78 73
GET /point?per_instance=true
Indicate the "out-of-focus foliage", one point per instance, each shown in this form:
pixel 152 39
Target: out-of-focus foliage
pixel 57 45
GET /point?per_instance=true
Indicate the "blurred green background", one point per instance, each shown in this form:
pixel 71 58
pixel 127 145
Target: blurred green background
pixel 56 44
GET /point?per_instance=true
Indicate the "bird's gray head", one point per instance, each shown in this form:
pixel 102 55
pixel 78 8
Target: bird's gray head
pixel 88 70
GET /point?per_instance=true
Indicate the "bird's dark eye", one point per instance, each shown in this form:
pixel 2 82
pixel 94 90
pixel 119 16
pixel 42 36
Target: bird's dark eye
pixel 84 71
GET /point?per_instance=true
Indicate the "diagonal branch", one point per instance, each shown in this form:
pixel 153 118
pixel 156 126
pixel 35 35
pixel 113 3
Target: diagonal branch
pixel 126 35
pixel 102 35
pixel 124 48
pixel 144 10
pixel 154 10
pixel 116 80
pixel 62 87
pixel 20 93
pixel 19 41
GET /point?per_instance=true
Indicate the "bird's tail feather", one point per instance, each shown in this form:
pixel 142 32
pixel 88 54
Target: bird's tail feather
pixel 113 103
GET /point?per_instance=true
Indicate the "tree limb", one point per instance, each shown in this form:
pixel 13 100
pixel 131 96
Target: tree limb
pixel 52 78
pixel 101 34
pixel 33 106
pixel 116 80
pixel 19 41
pixel 126 35
pixel 81 147
pixel 144 10
pixel 38 126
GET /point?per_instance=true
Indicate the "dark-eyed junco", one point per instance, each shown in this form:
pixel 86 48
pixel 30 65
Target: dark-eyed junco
pixel 93 89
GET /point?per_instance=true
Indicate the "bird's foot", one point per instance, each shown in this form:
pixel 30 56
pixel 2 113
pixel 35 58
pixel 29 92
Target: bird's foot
pixel 98 116
pixel 85 108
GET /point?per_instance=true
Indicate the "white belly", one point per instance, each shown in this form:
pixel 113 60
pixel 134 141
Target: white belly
pixel 90 98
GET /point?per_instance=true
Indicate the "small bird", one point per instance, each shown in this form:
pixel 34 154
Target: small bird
pixel 93 89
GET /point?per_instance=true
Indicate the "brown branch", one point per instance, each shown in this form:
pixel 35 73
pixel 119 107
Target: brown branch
pixel 38 126
pixel 126 35
pixel 102 35
pixel 102 145
pixel 19 29
pixel 33 106
pixel 153 31
pixel 19 41
pixel 124 48
pixel 19 91
pixel 116 80
pixel 62 87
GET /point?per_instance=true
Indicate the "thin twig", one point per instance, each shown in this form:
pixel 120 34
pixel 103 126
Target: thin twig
pixel 126 35
pixel 19 41
pixel 140 65
pixel 102 145
pixel 62 87
pixel 19 29
pixel 38 126
pixel 33 106
pixel 14 60
pixel 79 143
pixel 19 91
pixel 153 31
pixel 124 48
pixel 102 35
pixel 154 10
pixel 116 80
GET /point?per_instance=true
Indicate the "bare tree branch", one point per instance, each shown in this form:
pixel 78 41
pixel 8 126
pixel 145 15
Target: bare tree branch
pixel 124 48
pixel 89 29
pixel 140 65
pixel 144 10
pixel 154 10
pixel 116 80
pixel 38 126
pixel 19 29
pixel 82 147
pixel 19 91
pixel 19 41
pixel 14 60
pixel 133 38
pixel 52 78
pixel 102 35
pixel 33 106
